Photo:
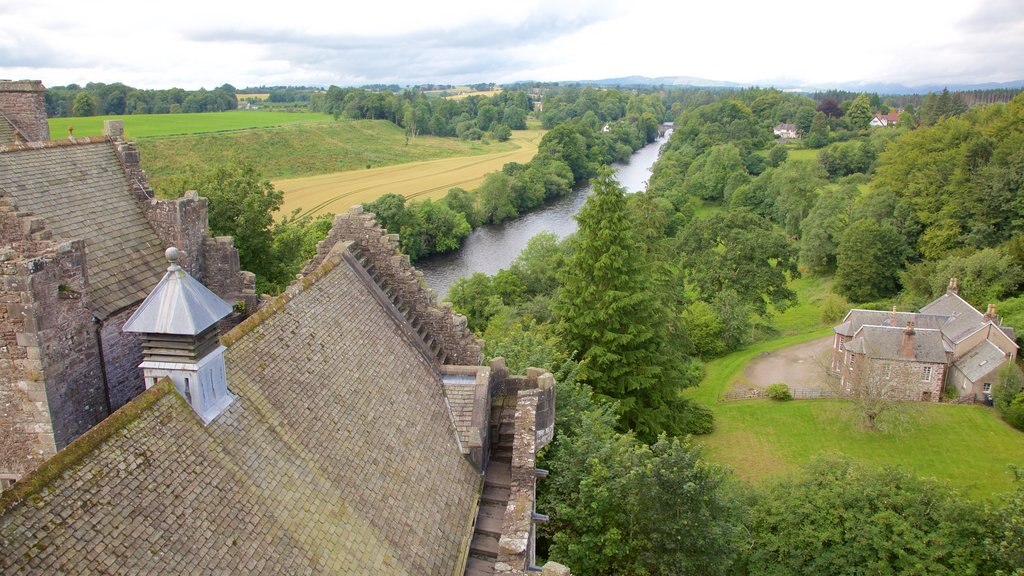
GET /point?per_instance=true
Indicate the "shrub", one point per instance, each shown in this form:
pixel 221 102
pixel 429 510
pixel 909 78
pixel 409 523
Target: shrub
pixel 833 308
pixel 778 391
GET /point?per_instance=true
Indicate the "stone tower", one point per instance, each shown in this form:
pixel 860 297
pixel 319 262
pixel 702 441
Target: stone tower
pixel 178 323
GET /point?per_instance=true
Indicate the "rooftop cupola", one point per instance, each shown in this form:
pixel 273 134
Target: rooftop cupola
pixel 178 323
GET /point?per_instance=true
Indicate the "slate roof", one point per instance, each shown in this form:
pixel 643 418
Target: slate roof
pixel 963 318
pixel 6 130
pixel 83 193
pixel 981 360
pixel 339 456
pixel 885 343
pixel 856 318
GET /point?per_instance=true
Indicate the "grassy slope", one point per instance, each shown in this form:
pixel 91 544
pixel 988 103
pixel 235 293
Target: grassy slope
pixel 304 149
pixel 967 445
pixel 152 125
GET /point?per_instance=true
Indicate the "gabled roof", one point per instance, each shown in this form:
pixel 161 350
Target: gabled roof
pixel 339 456
pixel 178 305
pixel 963 318
pixel 981 360
pixel 888 343
pixel 83 193
pixel 856 318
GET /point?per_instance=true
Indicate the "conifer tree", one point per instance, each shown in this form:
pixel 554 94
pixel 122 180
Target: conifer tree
pixel 611 318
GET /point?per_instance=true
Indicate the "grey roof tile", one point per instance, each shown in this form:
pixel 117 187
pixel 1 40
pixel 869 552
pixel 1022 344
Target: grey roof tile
pixel 83 193
pixel 981 360
pixel 886 343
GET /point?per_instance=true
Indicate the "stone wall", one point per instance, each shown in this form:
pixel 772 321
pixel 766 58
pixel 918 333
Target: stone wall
pixel 182 223
pixel 458 344
pixel 122 354
pixel 23 102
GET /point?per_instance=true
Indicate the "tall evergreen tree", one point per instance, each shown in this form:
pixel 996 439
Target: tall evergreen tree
pixel 612 319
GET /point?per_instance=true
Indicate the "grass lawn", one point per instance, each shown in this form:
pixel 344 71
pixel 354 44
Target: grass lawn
pixel 760 439
pixel 802 154
pixel 153 125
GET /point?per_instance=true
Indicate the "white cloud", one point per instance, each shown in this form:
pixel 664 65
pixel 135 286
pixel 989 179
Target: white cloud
pixel 192 43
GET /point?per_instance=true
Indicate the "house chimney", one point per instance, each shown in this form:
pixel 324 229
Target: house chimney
pixel 954 286
pixel 178 322
pixel 907 345
pixel 990 315
pixel 23 103
pixel 71 133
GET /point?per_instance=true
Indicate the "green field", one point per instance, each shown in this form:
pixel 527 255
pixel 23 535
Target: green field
pixel 760 439
pixel 152 125
pixel 305 149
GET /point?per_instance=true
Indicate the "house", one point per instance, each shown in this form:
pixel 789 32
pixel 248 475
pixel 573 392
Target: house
pixel 347 426
pixel 881 120
pixel 786 131
pixel 81 241
pixel 947 346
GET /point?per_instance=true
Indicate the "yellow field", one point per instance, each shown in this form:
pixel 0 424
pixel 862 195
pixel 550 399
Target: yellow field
pixel 262 96
pixel 430 179
pixel 486 94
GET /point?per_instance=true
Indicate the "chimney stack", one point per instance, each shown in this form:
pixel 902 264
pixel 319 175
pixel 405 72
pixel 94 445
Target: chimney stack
pixel 907 345
pixel 954 286
pixel 990 315
pixel 23 103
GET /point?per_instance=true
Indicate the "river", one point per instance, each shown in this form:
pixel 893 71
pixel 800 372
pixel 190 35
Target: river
pixel 493 247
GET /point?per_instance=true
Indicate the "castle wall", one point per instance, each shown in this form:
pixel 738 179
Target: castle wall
pixel 458 344
pixel 23 102
pixel 122 354
pixel 182 223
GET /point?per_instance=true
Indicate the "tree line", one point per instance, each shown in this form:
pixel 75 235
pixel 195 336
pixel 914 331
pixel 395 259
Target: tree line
pixel 99 99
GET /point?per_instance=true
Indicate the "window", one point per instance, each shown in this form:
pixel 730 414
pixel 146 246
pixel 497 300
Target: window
pixel 987 388
pixel 851 361
pixel 927 374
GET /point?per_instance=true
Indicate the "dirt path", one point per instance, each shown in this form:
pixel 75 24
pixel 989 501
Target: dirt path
pixel 800 366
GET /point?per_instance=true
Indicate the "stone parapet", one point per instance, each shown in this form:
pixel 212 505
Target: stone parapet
pixel 458 345
pixel 182 223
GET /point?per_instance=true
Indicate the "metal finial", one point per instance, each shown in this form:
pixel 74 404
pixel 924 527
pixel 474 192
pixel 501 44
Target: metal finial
pixel 172 254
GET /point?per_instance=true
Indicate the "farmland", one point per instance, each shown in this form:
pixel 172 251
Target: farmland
pixel 156 125
pixel 421 180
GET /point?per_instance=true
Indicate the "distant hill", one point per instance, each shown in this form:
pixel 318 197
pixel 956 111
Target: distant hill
pixel 791 85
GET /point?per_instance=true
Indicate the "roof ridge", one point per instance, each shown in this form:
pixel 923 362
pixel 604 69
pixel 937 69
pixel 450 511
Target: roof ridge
pixel 54 143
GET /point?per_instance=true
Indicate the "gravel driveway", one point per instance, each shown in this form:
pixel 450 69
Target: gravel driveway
pixel 800 366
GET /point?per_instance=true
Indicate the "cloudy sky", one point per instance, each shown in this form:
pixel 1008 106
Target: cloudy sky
pixel 205 43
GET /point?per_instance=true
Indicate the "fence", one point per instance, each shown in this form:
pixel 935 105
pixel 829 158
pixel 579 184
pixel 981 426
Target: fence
pixel 796 393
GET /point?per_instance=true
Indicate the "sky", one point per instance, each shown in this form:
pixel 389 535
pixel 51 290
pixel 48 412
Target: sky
pixel 195 43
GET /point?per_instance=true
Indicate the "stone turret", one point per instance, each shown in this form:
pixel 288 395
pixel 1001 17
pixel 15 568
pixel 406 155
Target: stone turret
pixel 178 322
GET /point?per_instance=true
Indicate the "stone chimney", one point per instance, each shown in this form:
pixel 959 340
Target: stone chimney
pixel 178 322
pixel 114 129
pixel 990 315
pixel 907 345
pixel 954 286
pixel 23 104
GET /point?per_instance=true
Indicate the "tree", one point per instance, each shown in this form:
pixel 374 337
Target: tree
pixel 868 261
pixel 612 321
pixel 740 252
pixel 839 517
pixel 859 113
pixel 84 105
pixel 241 205
pixel 821 230
pixel 716 173
pixel 818 134
pixel 878 388
pixel 777 155
pixel 829 107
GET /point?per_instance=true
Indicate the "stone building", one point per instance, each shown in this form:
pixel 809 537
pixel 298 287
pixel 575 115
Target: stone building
pixel 358 434
pixel 948 345
pixel 81 243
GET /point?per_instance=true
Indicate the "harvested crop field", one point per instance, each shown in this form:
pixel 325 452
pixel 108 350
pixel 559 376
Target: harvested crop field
pixel 429 179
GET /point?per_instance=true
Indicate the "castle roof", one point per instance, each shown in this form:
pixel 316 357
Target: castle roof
pixel 338 456
pixel 82 192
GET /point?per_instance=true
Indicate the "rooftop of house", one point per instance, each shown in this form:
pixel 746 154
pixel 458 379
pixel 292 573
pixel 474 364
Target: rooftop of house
pixel 82 192
pixel 981 360
pixel 334 458
pixel 7 130
pixel 962 317
pixel 894 343
pixel 856 318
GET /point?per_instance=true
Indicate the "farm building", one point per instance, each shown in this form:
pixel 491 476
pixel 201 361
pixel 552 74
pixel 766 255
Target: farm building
pixel 948 345
pixel 347 426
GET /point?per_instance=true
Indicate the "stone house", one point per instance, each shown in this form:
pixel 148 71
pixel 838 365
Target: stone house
pixel 948 345
pixel 879 120
pixel 786 131
pixel 81 243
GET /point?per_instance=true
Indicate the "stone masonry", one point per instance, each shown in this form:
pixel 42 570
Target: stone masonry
pixel 458 344
pixel 23 104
